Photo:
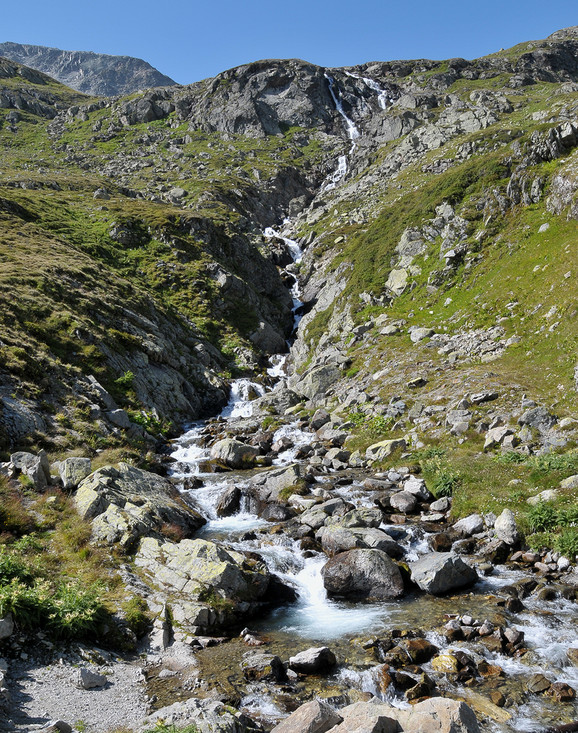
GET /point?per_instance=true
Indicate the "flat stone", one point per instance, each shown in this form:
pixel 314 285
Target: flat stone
pixel 441 572
pixel 312 717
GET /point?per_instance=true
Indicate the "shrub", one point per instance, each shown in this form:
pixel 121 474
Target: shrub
pixel 566 542
pixel 441 478
pixel 542 517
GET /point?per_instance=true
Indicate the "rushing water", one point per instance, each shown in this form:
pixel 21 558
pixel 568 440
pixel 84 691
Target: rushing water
pixel 550 629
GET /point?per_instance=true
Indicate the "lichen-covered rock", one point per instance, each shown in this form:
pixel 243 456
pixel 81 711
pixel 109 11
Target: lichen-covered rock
pixel 127 503
pixel 74 470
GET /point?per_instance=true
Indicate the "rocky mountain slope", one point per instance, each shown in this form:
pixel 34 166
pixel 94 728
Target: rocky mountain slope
pixel 144 243
pixel 92 73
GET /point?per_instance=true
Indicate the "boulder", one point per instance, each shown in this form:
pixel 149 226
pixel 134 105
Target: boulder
pixel 538 418
pixel 73 471
pixel 259 667
pixel 441 572
pixel 144 504
pixel 317 660
pixel 315 383
pixel 37 468
pixel 470 525
pixel 403 502
pixel 275 484
pixel 506 529
pixel 336 539
pixel 382 450
pixel 438 715
pixel 6 626
pixel 312 717
pixel 234 454
pixel 367 717
pixel 365 574
pixel 419 334
pixel 204 716
pixel 87 679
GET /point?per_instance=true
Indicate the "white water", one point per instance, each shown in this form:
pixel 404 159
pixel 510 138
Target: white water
pixel 352 132
pixel 292 246
pixel 383 95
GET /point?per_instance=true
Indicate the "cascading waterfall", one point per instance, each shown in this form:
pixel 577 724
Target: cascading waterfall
pixel 352 132
pixel 383 95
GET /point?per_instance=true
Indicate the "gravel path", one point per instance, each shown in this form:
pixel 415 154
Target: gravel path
pixel 40 694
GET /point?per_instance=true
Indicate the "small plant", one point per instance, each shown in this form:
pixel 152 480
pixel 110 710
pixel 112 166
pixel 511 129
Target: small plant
pixel 125 381
pixel 137 616
pixel 442 479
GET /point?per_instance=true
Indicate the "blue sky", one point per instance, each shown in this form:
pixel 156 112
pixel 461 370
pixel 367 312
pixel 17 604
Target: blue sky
pixel 193 40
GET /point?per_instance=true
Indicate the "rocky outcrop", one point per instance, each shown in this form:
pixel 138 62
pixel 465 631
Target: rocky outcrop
pixel 206 586
pixel 127 503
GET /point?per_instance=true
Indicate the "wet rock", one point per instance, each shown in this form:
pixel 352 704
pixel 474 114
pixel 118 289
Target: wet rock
pixel 317 660
pixel 441 572
pixel 445 663
pixel 229 503
pixel 234 454
pixel 506 529
pixel 496 551
pixel 418 651
pixel 275 484
pixel 538 684
pixel 263 667
pixel 363 574
pixel 562 692
pixel 319 419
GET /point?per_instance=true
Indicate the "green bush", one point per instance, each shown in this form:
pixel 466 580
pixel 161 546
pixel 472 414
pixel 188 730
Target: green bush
pixel 441 478
pixel 566 542
pixel 542 517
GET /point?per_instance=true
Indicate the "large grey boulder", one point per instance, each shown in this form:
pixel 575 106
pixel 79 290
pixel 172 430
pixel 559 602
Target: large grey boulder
pixel 506 529
pixel 403 502
pixel 363 574
pixel 312 717
pixel 36 467
pixel 234 454
pixel 126 503
pixel 441 572
pixel 315 383
pixel 538 418
pixel 277 484
pixel 382 450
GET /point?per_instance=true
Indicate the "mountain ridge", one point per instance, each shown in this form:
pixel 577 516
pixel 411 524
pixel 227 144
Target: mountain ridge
pixel 87 71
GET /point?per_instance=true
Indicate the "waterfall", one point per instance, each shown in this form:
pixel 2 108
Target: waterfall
pixel 352 132
pixel 383 95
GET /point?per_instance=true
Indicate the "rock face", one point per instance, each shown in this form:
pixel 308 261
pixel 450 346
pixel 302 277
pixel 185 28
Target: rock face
pixel 442 572
pixel 91 73
pixel 126 503
pixel 367 574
